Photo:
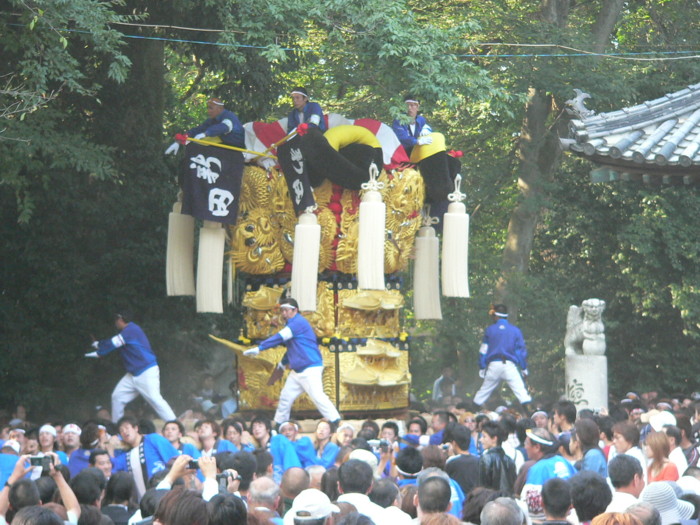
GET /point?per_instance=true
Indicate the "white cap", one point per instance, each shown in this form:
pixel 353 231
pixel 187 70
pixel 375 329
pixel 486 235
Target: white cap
pixel 366 456
pixel 310 504
pixel 689 485
pixel 660 420
pixel 13 444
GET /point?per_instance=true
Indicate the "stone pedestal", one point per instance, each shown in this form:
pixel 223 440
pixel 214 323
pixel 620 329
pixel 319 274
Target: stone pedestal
pixel 587 381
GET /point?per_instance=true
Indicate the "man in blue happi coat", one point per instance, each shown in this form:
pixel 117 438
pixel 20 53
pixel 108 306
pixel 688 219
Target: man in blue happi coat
pixel 142 371
pixel 414 132
pixel 222 123
pixel 147 454
pixel 501 353
pixel 305 112
pixel 304 358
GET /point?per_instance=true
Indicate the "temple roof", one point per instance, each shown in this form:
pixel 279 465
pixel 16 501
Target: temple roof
pixel 658 140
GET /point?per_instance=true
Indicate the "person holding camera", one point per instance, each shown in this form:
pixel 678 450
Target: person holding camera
pixel 17 488
pixel 213 484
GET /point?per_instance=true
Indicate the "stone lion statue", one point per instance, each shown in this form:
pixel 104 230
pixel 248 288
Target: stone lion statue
pixel 585 332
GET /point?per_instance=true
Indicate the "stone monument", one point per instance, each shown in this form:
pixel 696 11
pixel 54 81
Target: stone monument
pixel 586 364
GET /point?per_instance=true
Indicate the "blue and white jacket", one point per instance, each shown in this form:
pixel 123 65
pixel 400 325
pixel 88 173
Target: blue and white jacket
pixel 403 131
pixel 157 451
pixel 545 469
pixel 302 348
pixel 313 116
pixel 226 125
pixel 503 341
pixel 188 449
pixel 134 348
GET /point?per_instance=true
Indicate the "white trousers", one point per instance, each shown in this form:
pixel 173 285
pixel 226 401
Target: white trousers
pixel 146 384
pixel 311 382
pixel 496 372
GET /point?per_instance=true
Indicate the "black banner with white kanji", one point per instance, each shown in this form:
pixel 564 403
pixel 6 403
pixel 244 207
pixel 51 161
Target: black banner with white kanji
pixel 296 172
pixel 211 183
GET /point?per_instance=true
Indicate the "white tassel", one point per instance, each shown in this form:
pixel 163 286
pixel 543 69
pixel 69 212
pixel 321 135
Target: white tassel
pixel 455 246
pixel 210 268
pixel 179 258
pixel 370 251
pixel 307 247
pixel 426 272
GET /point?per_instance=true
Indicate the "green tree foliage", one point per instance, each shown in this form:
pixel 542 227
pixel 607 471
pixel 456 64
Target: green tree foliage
pixel 581 237
pixel 46 78
pixel 84 157
pixel 91 89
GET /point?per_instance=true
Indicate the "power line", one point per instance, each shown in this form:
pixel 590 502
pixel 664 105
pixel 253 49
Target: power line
pixel 182 28
pixel 177 40
pixel 629 55
pixel 575 52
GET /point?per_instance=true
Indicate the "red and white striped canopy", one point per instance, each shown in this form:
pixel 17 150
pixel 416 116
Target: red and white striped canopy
pixel 261 135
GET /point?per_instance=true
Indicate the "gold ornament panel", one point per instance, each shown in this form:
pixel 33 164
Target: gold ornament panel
pixel 348 237
pixel 257 186
pixel 323 319
pixel 403 195
pixel 379 383
pixel 281 202
pixel 261 316
pixel 254 247
pixel 329 228
pixel 377 322
pixel 263 238
pixel 322 193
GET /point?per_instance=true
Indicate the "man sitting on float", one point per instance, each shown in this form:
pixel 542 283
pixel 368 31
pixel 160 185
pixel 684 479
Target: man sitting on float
pixel 305 112
pixel 416 131
pixel 221 123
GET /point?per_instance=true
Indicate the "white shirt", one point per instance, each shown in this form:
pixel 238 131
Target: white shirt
pixel 621 501
pixel 678 458
pixel 514 454
pixel 364 506
pixel 136 472
pixel 396 516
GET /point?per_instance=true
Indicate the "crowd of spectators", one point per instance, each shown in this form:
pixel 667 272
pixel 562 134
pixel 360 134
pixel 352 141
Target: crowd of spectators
pixel 634 464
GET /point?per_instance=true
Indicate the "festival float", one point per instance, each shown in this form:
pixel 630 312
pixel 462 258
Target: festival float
pixel 331 219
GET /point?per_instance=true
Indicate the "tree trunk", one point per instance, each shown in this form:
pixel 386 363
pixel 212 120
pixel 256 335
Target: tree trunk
pixel 555 12
pixel 138 105
pixel 605 23
pixel 539 154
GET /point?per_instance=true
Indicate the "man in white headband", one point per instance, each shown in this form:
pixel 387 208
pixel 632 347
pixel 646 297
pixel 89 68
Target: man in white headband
pixel 541 446
pixel 304 112
pixel 501 353
pixel 304 358
pixel 416 131
pixel 221 123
